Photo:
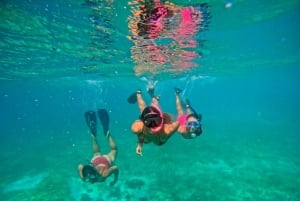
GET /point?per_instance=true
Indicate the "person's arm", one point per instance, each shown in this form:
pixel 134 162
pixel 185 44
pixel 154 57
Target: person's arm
pixel 171 128
pixel 139 146
pixel 137 128
pixel 114 170
pixel 80 167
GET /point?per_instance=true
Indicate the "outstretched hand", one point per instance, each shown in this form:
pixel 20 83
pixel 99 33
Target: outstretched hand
pixel 138 150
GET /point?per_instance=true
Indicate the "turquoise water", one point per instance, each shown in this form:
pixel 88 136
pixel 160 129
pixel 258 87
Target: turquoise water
pixel 245 86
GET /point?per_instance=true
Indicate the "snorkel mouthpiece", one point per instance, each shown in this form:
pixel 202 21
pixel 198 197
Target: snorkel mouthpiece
pixel 91 178
pixel 193 135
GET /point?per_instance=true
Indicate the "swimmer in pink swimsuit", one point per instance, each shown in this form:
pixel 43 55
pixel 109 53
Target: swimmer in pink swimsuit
pixel 189 123
pixel 153 125
pixel 101 165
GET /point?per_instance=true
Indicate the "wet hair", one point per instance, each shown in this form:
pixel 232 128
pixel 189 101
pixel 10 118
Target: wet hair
pixel 167 118
pixel 195 115
pixel 90 173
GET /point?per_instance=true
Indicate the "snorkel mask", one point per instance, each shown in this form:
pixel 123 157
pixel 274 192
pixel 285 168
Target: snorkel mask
pixel 152 118
pixel 194 126
pixel 90 174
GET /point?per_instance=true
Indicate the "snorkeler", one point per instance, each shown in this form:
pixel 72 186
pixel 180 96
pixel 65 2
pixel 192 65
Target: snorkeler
pixel 101 166
pixel 153 125
pixel 190 125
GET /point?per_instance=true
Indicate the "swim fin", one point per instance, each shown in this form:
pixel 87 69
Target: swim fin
pixel 104 118
pixel 132 98
pixel 91 121
pixel 150 91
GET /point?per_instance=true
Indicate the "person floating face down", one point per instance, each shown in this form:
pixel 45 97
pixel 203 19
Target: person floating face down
pixel 101 166
pixel 190 125
pixel 153 125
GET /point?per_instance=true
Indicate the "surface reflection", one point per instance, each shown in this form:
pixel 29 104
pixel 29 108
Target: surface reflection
pixel 102 35
pixel 165 35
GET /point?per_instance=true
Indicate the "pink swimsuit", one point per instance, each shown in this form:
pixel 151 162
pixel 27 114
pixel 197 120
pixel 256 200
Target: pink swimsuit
pixel 100 160
pixel 182 119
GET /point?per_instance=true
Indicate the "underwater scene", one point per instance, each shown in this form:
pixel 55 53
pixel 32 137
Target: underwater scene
pixel 74 126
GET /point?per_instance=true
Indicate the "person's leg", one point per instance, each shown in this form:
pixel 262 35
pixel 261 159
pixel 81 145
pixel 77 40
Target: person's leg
pixel 96 147
pixel 113 149
pixel 154 99
pixel 188 107
pixel 178 103
pixel 140 101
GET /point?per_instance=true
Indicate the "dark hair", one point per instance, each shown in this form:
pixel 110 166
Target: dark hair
pixel 167 118
pixel 90 173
